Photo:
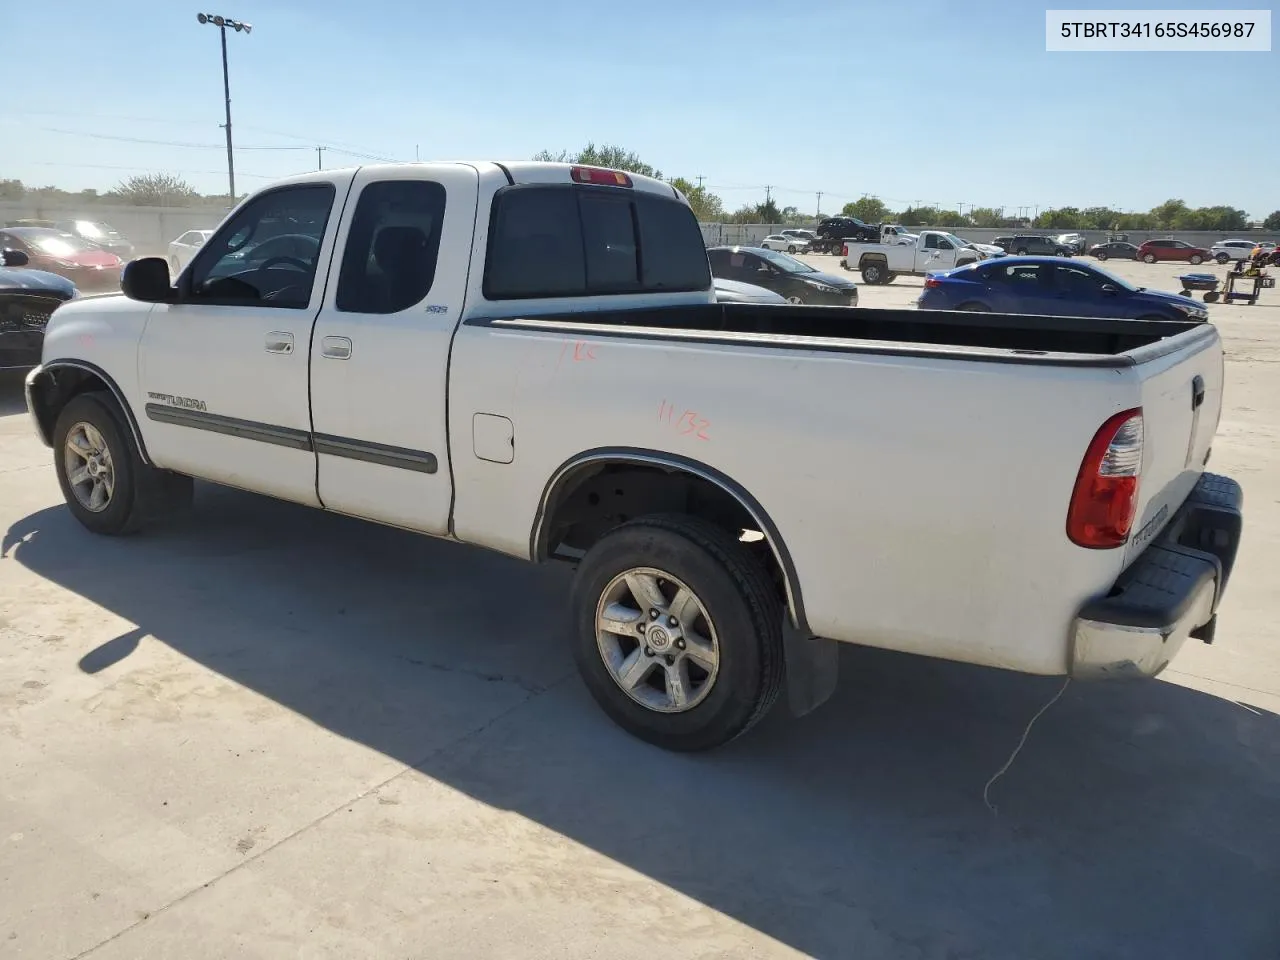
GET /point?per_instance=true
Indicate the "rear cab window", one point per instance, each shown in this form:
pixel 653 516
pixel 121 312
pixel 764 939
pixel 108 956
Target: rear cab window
pixel 570 240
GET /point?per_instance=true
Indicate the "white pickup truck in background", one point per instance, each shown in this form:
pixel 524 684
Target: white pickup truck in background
pixel 931 250
pixel 527 357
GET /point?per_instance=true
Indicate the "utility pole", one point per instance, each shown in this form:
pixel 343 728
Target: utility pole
pixel 700 179
pixel 819 203
pixel 768 194
pixel 222 23
pixel 415 153
pixel 319 162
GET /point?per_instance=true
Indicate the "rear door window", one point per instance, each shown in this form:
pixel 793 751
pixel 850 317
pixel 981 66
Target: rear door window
pixel 553 240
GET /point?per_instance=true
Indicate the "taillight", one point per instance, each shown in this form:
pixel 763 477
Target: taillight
pixel 1105 497
pixel 609 178
pixel 844 249
pixel 932 282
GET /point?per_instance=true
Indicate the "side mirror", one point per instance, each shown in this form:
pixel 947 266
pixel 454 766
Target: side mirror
pixel 14 258
pixel 147 280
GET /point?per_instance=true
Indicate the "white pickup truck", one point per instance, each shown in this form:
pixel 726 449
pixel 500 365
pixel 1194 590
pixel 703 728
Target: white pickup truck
pixel 883 262
pixel 527 357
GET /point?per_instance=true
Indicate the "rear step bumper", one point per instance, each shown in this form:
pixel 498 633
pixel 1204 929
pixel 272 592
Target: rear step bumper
pixel 1171 592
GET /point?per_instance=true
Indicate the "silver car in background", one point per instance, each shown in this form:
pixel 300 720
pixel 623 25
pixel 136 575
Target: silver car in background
pixel 184 248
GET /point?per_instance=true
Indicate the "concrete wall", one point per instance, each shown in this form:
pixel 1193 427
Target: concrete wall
pixel 150 228
pixel 748 234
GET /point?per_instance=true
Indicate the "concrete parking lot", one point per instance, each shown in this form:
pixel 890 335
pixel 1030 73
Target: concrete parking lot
pixel 268 732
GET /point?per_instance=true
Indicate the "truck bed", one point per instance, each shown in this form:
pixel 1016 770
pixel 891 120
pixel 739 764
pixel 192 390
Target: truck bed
pixel 1088 341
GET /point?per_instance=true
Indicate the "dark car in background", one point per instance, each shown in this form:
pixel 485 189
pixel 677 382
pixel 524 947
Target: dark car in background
pixel 832 231
pixel 1114 250
pixel 101 235
pixel 81 262
pixel 793 279
pixel 27 300
pixel 1153 251
pixel 1049 287
pixel 1022 244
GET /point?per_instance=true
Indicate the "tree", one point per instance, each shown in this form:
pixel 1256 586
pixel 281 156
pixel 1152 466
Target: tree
pixel 918 216
pixel 1064 218
pixel 12 190
pixel 1167 214
pixel 1098 218
pixel 951 218
pixel 607 155
pixel 154 190
pixel 768 212
pixel 1272 222
pixel 707 207
pixel 868 210
pixel 986 217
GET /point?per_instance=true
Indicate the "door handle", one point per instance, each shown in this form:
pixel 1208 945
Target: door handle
pixel 335 348
pixel 278 341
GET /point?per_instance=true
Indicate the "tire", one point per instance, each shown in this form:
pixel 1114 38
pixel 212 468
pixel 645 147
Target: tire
pixel 791 249
pixel 737 613
pixel 1222 258
pixel 794 300
pixel 890 277
pixel 122 493
pixel 1063 253
pixel 1212 296
pixel 1196 260
pixel 1021 252
pixel 1101 256
pixel 873 272
pixel 1149 258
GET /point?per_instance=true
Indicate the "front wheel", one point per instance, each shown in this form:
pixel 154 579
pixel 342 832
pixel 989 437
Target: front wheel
pixel 873 273
pixel 103 479
pixel 1101 256
pixel 1149 258
pixel 678 632
pixel 1196 260
pixel 1063 253
pixel 791 249
pixel 794 299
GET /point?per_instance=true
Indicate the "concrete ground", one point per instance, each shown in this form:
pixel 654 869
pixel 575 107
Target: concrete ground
pixel 269 732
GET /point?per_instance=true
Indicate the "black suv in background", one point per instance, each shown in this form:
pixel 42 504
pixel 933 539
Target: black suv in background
pixel 1025 243
pixel 832 230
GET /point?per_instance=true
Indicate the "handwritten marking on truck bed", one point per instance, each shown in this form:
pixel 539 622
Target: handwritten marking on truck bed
pixel 688 424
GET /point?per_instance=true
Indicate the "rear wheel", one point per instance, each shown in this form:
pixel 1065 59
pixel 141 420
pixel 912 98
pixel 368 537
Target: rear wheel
pixel 678 632
pixel 1101 255
pixel 873 272
pixel 1222 258
pixel 1149 258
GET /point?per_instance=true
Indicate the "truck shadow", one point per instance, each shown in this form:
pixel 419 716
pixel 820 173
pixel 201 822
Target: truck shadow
pixel 1139 821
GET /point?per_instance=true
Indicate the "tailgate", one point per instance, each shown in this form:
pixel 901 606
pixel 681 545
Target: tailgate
pixel 1181 402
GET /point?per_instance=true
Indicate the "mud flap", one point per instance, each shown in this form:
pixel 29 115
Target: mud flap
pixel 813 666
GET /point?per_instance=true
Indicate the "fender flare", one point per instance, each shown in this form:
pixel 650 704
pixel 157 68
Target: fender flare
pixel 600 456
pixel 44 373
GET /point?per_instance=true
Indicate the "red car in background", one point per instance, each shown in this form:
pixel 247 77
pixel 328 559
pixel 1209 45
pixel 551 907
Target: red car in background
pixel 84 264
pixel 1154 250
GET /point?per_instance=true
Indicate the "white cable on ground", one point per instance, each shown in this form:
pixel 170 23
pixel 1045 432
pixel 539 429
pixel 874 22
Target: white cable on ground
pixel 1022 742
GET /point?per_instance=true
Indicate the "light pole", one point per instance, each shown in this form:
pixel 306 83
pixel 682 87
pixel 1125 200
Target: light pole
pixel 222 23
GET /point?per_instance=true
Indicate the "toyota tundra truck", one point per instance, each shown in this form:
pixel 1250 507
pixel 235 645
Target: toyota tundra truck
pixel 528 357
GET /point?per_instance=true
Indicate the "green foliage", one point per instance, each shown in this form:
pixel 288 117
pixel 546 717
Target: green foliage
pixel 986 217
pixel 154 190
pixel 1273 221
pixel 867 209
pixel 12 190
pixel 1170 215
pixel 707 207
pixel 608 155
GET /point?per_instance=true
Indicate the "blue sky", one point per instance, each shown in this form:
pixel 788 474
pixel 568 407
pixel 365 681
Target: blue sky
pixel 928 101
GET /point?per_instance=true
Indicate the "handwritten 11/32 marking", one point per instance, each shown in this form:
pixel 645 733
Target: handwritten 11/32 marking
pixel 690 424
pixel 582 351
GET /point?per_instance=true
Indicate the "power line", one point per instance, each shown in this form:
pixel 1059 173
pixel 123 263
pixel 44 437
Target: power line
pixel 158 143
pixel 107 166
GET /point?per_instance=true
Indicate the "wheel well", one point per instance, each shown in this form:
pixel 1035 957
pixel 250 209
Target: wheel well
pixel 586 502
pixel 55 387
pixel 873 258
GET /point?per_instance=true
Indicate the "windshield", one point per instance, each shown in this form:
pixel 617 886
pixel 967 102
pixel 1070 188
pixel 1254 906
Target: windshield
pixel 58 246
pixel 957 241
pixel 785 263
pixel 95 231
pixel 1113 279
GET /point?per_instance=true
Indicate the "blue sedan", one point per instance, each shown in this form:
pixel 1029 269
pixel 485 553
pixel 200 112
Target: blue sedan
pixel 1052 287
